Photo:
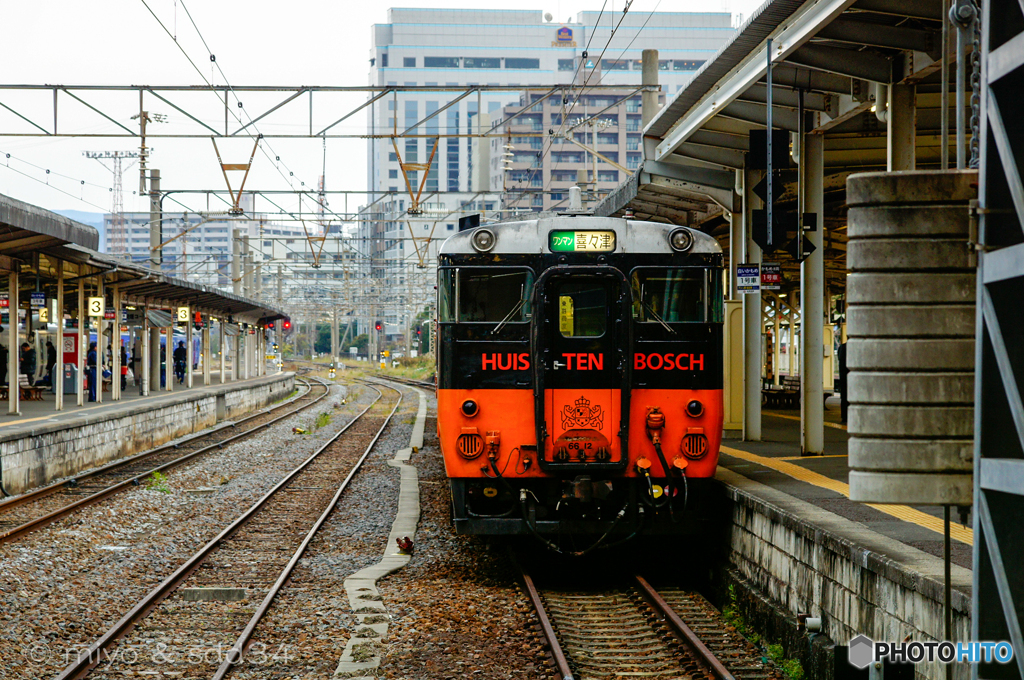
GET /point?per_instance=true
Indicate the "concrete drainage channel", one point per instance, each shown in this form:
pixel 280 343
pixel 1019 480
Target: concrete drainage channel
pixel 361 657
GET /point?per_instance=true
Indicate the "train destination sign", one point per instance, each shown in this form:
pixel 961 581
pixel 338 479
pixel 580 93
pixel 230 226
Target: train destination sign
pixel 581 241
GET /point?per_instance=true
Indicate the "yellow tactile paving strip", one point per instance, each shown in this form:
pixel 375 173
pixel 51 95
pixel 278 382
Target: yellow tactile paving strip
pixel 836 426
pixel 922 519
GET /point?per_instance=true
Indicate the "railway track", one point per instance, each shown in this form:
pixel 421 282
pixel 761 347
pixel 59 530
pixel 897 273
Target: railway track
pixel 170 631
pixel 34 510
pixel 638 631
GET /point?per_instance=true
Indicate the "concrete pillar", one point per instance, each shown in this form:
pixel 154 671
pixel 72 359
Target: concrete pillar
pixel 83 337
pixel 902 127
pixel 223 353
pixel 649 76
pixel 155 220
pixel 812 296
pixel 751 321
pixel 13 365
pixel 206 351
pixel 188 348
pixel 101 353
pixel 115 349
pixel 58 370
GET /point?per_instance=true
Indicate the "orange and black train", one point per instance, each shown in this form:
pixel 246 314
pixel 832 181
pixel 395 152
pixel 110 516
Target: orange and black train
pixel 579 376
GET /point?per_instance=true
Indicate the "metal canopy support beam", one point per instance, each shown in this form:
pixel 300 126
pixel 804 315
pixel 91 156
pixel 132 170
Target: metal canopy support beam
pixel 812 297
pixel 729 158
pixel 797 77
pixel 751 321
pixel 917 9
pixel 782 118
pixel 880 35
pixel 854 63
pixel 784 97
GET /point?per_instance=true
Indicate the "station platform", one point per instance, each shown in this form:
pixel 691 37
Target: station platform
pixel 42 445
pixel 36 413
pixel 798 545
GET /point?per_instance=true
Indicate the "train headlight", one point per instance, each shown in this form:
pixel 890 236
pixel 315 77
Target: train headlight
pixel 695 409
pixel 483 240
pixel 470 408
pixel 680 239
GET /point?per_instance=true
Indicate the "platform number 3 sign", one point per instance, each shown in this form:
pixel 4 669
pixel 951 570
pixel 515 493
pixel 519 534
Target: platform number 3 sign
pixel 96 306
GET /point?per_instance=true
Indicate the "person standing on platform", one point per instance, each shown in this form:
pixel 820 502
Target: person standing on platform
pixel 180 357
pixel 90 370
pixel 163 366
pixel 124 367
pixel 51 361
pixel 3 364
pixel 28 362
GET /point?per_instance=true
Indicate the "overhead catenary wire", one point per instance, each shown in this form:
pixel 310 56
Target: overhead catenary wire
pixel 586 81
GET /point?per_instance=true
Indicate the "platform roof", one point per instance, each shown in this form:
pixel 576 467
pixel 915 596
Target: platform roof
pixel 27 230
pixel 25 227
pixel 827 56
pixel 141 283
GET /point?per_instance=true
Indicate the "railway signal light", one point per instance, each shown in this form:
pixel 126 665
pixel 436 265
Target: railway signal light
pixel 378 326
pixel 286 324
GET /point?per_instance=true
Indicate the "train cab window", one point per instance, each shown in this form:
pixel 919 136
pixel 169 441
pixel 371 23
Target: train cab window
pixel 582 308
pixel 677 295
pixel 500 296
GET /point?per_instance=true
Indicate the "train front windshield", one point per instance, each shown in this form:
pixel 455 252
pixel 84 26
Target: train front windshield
pixel 485 295
pixel 677 295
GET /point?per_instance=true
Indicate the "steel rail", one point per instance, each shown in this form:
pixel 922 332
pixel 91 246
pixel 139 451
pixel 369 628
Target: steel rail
pixel 44 520
pixel 545 625
pixel 236 651
pixel 92 657
pixel 687 635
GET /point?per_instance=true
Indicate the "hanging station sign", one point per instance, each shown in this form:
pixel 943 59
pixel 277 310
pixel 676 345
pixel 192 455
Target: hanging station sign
pixel 97 305
pixel 38 300
pixel 748 278
pixel 771 276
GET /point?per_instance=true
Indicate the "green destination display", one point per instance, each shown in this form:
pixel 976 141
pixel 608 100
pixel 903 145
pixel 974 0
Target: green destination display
pixel 582 241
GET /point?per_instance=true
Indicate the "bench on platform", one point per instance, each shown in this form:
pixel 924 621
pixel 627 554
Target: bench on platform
pixel 787 395
pixel 28 392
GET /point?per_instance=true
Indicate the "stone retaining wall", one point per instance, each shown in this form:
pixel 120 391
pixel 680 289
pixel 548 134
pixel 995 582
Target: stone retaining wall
pixel 55 450
pixel 793 557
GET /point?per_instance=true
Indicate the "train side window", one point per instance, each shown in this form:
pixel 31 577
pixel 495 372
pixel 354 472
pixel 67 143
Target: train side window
pixel 500 296
pixel 582 309
pixel 677 295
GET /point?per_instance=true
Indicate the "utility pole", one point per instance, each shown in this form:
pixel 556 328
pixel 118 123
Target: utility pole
pixel 236 262
pixel 156 255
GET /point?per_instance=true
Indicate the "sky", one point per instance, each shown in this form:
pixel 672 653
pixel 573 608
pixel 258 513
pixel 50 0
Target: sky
pixel 259 42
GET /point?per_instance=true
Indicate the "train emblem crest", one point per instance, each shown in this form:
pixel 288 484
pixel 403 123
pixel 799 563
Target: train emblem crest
pixel 582 415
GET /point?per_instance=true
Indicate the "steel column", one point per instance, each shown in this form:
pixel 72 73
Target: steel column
pixel 751 321
pixel 902 130
pixel 59 368
pixel 998 606
pixel 812 297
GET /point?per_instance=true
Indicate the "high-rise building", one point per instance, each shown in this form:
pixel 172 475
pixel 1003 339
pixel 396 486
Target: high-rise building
pixel 600 143
pixel 462 48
